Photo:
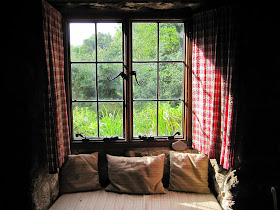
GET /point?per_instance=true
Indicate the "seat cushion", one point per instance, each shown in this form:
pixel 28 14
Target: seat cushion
pixel 108 200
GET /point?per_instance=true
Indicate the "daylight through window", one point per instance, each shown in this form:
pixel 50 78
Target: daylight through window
pixel 97 52
pixel 159 64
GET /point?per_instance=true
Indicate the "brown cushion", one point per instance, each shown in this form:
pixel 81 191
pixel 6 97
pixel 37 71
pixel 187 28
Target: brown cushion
pixel 188 172
pixel 80 173
pixel 136 175
pixel 154 151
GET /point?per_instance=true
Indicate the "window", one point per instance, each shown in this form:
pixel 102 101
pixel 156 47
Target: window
pixel 158 62
pixel 96 52
pixel 112 70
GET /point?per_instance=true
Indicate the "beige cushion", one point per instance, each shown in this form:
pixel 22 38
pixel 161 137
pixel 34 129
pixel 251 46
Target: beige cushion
pixel 188 172
pixel 101 200
pixel 80 173
pixel 136 175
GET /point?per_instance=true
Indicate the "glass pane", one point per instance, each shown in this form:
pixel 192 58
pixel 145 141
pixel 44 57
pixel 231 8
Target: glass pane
pixel 109 42
pixel 82 41
pixel 147 77
pixel 85 119
pixel 144 41
pixel 83 81
pixel 111 119
pixel 171 41
pixel 110 90
pixel 170 118
pixel 144 118
pixel 171 81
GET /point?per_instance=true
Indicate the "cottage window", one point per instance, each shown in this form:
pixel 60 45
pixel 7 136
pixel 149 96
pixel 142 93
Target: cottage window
pixel 127 80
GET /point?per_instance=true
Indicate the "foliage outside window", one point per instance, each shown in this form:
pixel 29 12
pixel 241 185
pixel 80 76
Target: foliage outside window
pixel 98 105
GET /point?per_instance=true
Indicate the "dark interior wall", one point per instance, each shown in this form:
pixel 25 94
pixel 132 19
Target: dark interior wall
pixel 36 186
pixel 258 69
pixel 27 107
pixel 258 147
pixel 257 140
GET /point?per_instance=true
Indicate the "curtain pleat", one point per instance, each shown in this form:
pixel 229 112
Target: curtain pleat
pixel 212 95
pixel 56 117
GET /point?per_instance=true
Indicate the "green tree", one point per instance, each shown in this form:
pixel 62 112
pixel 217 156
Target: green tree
pixel 109 48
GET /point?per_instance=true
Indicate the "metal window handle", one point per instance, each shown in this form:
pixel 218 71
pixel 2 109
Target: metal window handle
pixel 122 74
pixel 173 136
pixel 84 138
pixel 138 83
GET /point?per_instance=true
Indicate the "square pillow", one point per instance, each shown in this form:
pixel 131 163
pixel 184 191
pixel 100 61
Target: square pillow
pixel 136 175
pixel 188 172
pixel 80 173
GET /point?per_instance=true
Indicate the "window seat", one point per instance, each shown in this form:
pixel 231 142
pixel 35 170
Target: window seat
pixel 109 200
pixel 101 199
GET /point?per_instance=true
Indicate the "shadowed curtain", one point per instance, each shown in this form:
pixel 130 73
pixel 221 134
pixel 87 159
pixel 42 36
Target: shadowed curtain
pixel 56 118
pixel 213 63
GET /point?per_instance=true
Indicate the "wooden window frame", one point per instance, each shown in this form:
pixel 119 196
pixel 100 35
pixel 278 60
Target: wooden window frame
pixel 129 141
pixel 95 63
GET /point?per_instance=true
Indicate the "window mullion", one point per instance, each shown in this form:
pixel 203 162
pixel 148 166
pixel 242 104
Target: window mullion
pixel 96 82
pixel 128 82
pixel 188 85
pixel 157 74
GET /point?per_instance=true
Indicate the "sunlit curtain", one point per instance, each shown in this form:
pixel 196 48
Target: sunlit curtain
pixel 212 94
pixel 56 118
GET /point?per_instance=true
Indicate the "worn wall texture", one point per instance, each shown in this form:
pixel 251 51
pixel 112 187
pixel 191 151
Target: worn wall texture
pixel 44 189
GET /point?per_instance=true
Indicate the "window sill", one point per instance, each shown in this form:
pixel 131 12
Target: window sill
pixel 121 144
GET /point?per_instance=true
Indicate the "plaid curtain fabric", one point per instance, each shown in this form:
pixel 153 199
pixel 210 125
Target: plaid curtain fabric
pixel 212 98
pixel 56 118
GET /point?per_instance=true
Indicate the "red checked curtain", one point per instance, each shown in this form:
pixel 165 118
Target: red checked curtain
pixel 212 95
pixel 56 118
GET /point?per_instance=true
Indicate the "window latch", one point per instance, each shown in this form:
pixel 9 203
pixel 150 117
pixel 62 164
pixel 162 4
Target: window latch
pixel 84 138
pixel 138 83
pixel 122 74
pixel 146 138
pixel 111 139
pixel 173 136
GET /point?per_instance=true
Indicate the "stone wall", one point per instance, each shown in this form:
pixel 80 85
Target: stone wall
pixel 224 181
pixel 44 189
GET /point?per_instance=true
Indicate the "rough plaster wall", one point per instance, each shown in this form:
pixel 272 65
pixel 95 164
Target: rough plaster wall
pixel 224 182
pixel 132 5
pixel 45 189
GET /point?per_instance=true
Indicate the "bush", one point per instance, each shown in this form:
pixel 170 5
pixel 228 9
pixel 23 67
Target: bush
pixel 144 120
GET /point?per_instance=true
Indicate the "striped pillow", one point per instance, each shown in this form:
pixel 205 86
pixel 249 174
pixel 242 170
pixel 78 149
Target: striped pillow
pixel 188 172
pixel 136 175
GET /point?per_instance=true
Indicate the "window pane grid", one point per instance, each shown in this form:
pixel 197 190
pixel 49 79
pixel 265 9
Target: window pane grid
pixel 96 108
pixel 158 100
pixel 163 102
